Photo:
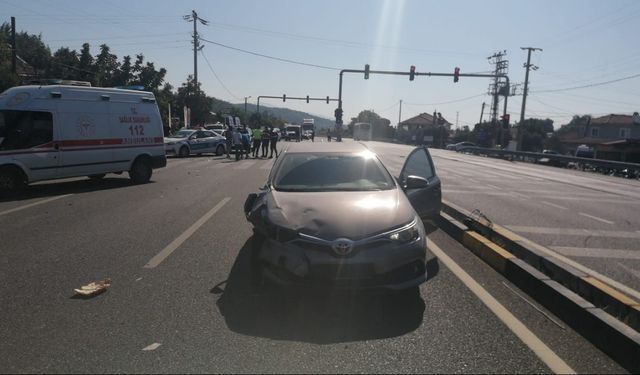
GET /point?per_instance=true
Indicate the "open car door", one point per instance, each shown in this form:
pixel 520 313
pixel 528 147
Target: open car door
pixel 419 181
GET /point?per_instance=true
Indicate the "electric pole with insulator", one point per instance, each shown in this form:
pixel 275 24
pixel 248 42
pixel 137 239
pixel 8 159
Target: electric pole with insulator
pixel 527 66
pixel 193 17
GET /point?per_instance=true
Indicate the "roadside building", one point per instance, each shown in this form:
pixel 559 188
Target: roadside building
pixel 612 137
pixel 423 130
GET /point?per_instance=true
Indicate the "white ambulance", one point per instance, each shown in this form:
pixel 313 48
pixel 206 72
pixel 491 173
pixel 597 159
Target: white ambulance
pixel 60 131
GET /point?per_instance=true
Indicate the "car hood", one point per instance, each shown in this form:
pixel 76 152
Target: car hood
pixel 331 215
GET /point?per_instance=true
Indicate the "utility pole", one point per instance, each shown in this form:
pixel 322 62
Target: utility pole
pixel 457 113
pixel 245 104
pixel 482 112
pixel 193 17
pixel 496 89
pixel 399 114
pixel 527 66
pixel 14 67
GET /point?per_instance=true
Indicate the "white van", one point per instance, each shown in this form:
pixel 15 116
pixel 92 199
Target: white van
pixel 50 132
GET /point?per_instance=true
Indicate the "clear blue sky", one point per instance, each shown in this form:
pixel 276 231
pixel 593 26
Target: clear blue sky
pixel 583 42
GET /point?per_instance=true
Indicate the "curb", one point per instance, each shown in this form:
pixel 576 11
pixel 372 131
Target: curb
pixel 590 306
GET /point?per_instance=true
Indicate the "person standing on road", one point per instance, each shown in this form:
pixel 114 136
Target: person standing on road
pixel 228 135
pixel 237 143
pixel 266 138
pixel 274 142
pixel 246 141
pixel 257 139
pixel 313 135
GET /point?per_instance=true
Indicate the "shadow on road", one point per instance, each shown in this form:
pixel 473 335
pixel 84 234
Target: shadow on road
pixel 68 187
pixel 315 317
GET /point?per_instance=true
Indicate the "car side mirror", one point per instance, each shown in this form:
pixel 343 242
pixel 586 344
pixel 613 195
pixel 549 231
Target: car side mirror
pixel 415 182
pixel 248 204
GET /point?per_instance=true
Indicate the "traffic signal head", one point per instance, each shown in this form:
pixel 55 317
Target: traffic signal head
pixel 505 121
pixel 327 100
pixel 284 97
pixel 307 98
pixel 412 72
pixel 338 113
pixel 366 71
pixel 456 74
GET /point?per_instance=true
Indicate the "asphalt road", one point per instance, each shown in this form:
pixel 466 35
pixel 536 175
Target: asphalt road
pixel 589 218
pixel 180 301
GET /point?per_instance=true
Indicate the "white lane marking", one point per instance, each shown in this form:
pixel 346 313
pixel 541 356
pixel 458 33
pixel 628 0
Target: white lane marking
pixel 546 355
pixel 162 255
pixel 245 165
pixel 493 186
pixel 477 192
pixel 574 231
pixel 473 181
pixel 631 271
pixel 33 204
pixel 151 347
pixel 596 218
pixel 591 252
pixel 554 205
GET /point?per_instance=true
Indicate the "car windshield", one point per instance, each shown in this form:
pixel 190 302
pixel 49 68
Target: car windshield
pixel 331 172
pixel 182 134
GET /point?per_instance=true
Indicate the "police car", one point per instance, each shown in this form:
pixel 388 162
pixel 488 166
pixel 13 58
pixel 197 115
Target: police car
pixel 187 142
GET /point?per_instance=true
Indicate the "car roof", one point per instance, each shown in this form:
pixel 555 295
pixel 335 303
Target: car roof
pixel 320 147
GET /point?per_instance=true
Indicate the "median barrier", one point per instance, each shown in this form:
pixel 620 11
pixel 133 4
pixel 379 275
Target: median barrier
pixel 605 316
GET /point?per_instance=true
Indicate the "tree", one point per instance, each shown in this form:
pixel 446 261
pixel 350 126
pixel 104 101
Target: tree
pixel 534 133
pixel 85 65
pixel 106 67
pixel 64 64
pixel 124 75
pixel 191 96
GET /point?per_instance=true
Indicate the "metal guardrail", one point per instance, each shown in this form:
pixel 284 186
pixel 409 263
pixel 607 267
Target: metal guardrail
pixel 523 155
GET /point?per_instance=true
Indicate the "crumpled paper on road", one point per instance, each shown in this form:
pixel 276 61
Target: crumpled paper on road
pixel 93 288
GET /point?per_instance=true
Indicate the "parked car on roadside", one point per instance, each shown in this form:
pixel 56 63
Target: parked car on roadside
pixel 187 142
pixel 460 145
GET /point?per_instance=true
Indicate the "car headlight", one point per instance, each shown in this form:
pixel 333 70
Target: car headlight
pixel 406 234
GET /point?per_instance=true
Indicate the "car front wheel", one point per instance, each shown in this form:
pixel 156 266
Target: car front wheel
pixel 184 152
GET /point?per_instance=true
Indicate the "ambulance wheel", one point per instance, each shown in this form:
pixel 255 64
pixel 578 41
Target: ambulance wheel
pixel 12 180
pixel 97 177
pixel 184 152
pixel 141 170
pixel 219 150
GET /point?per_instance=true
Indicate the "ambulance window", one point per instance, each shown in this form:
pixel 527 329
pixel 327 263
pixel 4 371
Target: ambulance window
pixel 25 129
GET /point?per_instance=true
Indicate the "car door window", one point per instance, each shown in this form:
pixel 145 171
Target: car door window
pixel 207 135
pixel 418 164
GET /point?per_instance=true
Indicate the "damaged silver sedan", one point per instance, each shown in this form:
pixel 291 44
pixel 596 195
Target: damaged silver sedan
pixel 331 216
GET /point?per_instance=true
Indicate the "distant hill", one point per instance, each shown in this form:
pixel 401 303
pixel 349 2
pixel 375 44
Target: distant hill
pixel 284 114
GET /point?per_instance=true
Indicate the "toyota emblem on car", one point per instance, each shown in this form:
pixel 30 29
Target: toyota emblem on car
pixel 342 246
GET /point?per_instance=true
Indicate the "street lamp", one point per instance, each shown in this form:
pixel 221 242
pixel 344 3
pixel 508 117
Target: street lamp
pixel 245 103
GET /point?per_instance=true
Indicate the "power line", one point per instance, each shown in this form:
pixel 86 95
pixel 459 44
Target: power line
pixel 269 57
pixel 447 102
pixel 590 85
pixel 216 75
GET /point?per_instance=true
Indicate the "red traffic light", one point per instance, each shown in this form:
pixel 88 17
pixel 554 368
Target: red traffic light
pixel 456 74
pixel 412 72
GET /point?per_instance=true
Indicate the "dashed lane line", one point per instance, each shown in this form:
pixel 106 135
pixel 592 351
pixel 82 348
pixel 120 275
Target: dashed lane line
pixel 20 208
pixel 554 205
pixel 162 255
pixel 596 218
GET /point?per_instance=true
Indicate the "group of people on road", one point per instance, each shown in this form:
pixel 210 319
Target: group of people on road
pixel 239 139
